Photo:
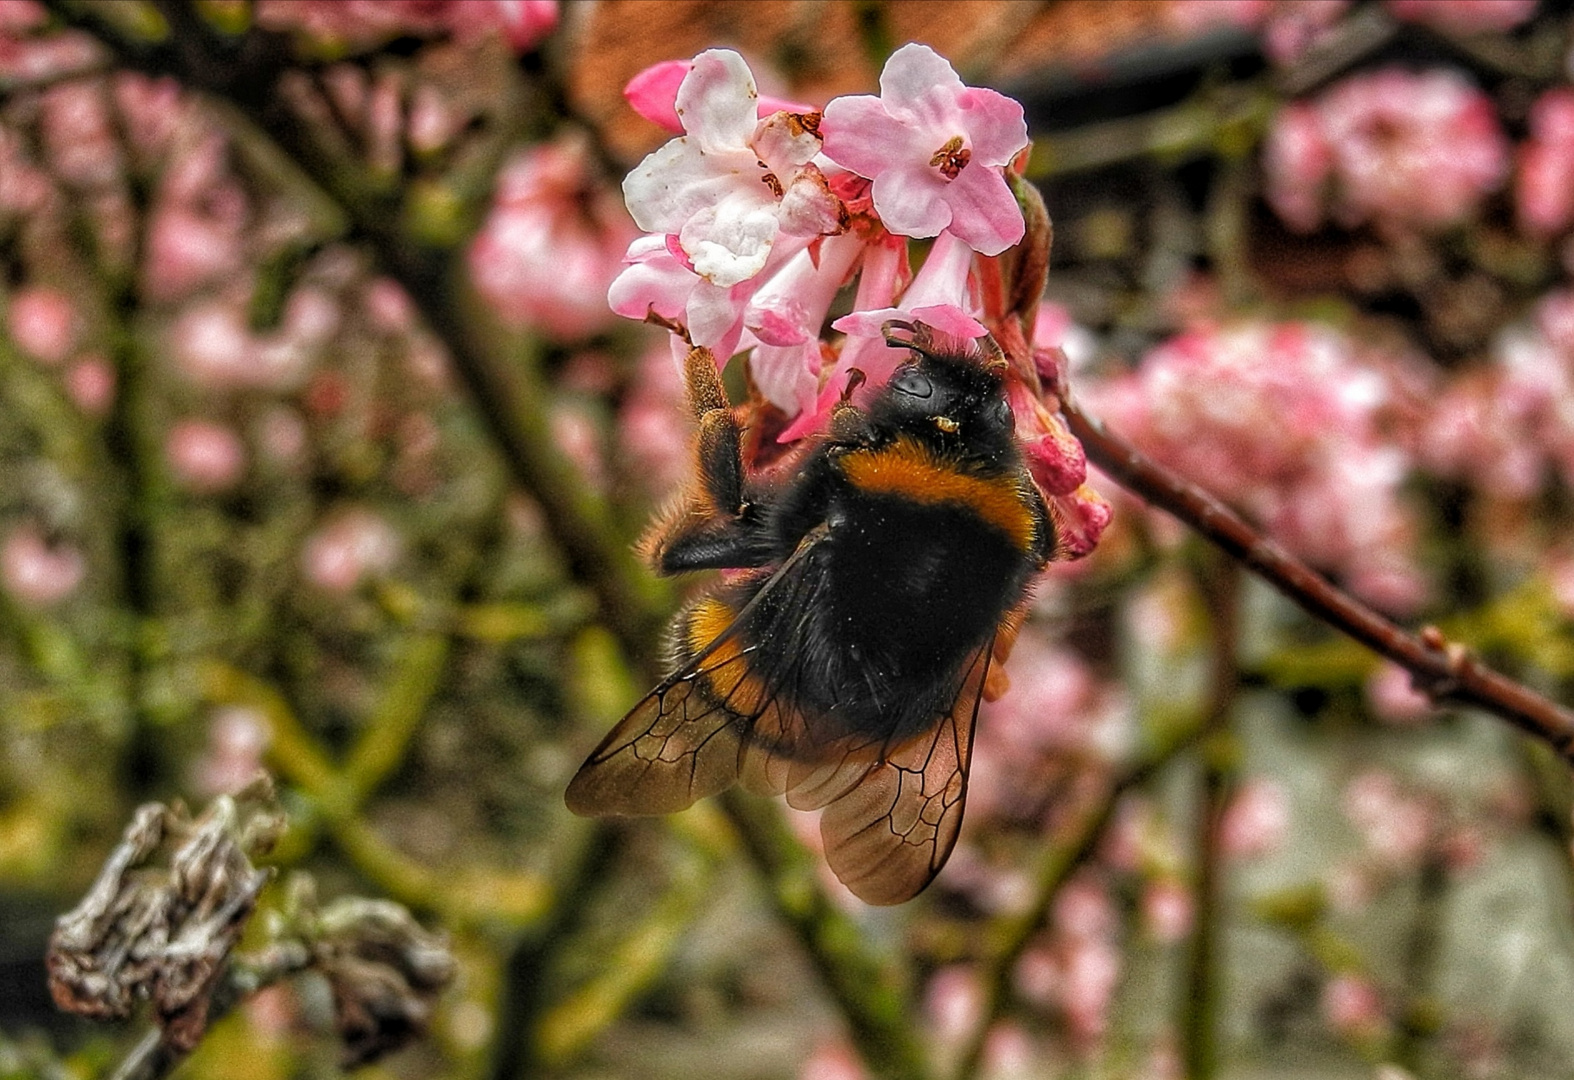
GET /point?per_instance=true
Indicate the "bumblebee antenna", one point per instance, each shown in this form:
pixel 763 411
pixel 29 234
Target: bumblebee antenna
pixel 924 340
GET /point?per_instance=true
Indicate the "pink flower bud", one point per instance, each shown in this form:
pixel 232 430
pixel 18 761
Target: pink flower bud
pixel 237 736
pixel 833 1061
pixel 1393 696
pixel 953 1003
pixel 91 385
pixel 1544 187
pixel 42 322
pixel 205 457
pixel 36 573
pixel 352 545
pixel 1255 820
pixel 1167 909
pixel 1352 1005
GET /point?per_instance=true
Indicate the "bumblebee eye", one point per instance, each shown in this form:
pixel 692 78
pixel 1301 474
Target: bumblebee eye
pixel 912 382
pixel 1003 415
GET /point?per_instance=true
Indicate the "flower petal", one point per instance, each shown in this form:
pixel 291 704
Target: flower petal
pixel 717 101
pixel 861 136
pixel 984 213
pixel 912 202
pixel 730 241
pixel 783 141
pixel 808 208
pixel 653 281
pixel 679 180
pixel 996 128
pixel 653 93
pixel 920 86
pixel 787 375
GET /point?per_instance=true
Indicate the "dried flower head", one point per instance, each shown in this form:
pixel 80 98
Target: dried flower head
pixel 163 933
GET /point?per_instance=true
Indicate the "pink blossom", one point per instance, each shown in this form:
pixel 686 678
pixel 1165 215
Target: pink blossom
pixel 352 545
pixel 832 1061
pixel 1465 16
pixel 1404 148
pixel 732 182
pixel 1009 1054
pixel 91 384
pixel 20 16
pixel 652 425
pixel 187 250
pixel 46 57
pixel 1055 704
pixel 1392 694
pixel 42 322
pixel 1544 186
pixel 1352 1005
pixel 1395 825
pixel 1255 820
pixel 36 572
pixel 389 307
pixel 935 150
pixel 237 736
pixel 1298 163
pixel 579 438
pixel 1091 974
pixel 786 316
pixel 653 93
pixel 655 281
pixel 1288 27
pixel 214 348
pixel 1167 909
pixel 552 244
pixel 1083 908
pixel 281 433
pixel 523 22
pixel 1508 430
pixel 152 111
pixel 78 134
pixel 953 1003
pixel 1291 422
pixel 939 296
pixel 204 456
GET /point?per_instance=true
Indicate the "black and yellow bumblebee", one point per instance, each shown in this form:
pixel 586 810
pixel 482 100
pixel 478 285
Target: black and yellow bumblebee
pixel 842 660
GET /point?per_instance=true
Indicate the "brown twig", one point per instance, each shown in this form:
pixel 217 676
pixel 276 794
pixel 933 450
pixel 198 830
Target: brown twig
pixel 1442 670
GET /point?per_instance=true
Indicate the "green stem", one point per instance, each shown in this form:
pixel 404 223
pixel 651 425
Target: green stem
pixel 1011 935
pixel 871 991
pixel 1200 1007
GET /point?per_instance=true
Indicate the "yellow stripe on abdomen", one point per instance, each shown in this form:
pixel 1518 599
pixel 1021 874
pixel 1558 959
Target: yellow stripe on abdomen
pixel 725 672
pixel 911 470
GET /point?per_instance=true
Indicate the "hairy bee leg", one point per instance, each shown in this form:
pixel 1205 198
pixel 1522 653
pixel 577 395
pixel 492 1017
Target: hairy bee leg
pixel 715 527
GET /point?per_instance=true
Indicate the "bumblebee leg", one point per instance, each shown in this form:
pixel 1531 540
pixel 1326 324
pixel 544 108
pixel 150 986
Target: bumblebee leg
pixel 715 527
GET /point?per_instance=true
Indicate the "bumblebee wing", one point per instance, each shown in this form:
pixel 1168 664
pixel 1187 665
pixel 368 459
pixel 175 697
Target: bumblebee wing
pixel 889 835
pixel 680 743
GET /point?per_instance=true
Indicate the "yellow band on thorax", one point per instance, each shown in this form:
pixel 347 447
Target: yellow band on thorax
pixel 907 468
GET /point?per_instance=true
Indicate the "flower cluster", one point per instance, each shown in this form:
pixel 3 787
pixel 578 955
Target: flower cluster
pixel 1391 147
pixel 760 213
pixel 552 242
pixel 1292 423
pixel 1290 27
pixel 1508 429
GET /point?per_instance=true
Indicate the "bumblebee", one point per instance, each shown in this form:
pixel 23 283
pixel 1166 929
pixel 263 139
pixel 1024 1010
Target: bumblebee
pixel 841 658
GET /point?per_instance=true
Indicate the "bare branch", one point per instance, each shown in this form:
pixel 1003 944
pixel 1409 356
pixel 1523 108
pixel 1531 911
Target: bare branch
pixel 1442 670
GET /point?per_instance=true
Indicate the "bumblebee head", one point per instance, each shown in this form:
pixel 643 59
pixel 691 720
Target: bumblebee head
pixel 950 395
